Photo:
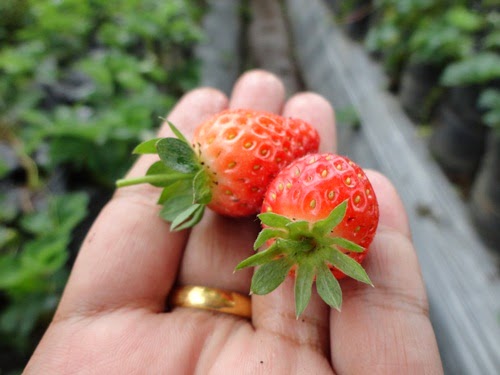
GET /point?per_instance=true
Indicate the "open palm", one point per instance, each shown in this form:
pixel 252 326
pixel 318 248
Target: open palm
pixel 112 317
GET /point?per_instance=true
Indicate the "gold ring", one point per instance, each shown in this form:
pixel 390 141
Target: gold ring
pixel 214 299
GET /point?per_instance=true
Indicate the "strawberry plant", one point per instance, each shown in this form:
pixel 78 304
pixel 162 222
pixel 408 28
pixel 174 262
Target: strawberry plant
pixel 395 24
pixel 81 83
pixel 445 37
pixel 233 157
pixel 319 216
pixel 489 101
pixel 34 251
pixel 481 68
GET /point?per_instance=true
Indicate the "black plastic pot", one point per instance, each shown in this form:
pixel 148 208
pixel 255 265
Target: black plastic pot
pixel 459 138
pixel 419 90
pixel 485 195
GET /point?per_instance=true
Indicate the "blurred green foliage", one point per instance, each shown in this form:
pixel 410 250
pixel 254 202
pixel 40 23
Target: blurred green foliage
pixel 459 38
pixel 489 101
pixel 431 32
pixel 81 83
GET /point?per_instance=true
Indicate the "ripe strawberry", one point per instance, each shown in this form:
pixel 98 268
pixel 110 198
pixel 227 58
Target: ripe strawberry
pixel 233 158
pixel 319 216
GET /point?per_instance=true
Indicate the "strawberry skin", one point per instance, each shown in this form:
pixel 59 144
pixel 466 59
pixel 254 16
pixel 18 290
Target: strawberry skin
pixel 243 150
pixel 319 216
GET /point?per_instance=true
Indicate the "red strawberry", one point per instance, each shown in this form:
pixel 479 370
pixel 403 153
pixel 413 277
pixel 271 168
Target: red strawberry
pixel 234 156
pixel 319 216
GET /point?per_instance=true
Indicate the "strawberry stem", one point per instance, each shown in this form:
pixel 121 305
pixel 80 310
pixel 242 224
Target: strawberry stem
pixel 152 179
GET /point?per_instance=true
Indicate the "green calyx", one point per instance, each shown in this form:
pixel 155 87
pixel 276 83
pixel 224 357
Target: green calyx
pixel 310 248
pixel 184 182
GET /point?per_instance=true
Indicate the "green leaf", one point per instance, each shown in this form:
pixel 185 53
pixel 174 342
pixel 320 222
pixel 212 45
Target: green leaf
pixel 490 99
pixel 348 266
pixel 267 234
pixel 10 272
pixel 176 188
pixel 324 227
pixel 295 246
pixel 178 207
pixel 304 278
pixel 492 40
pixel 347 245
pixel 273 220
pixel 269 276
pixel 45 255
pixel 184 216
pixel 266 256
pixel 201 187
pixel 464 19
pixel 177 155
pixel 194 219
pixel 22 315
pixel 328 287
pixel 62 214
pixel 175 205
pixel 146 147
pixel 11 206
pixel 8 236
pixel 177 132
pixel 478 69
pixel 299 228
pixel 160 170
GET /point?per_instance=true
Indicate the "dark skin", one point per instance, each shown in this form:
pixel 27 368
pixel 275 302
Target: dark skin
pixel 112 319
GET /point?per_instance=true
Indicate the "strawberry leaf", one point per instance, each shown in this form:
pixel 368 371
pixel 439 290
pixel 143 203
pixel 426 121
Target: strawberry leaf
pixel 348 266
pixel 270 275
pixel 266 256
pixel 324 227
pixel 293 247
pixel 193 219
pixel 267 234
pixel 328 287
pixel 177 132
pixel 347 245
pixel 179 187
pixel 184 216
pixel 201 188
pixel 176 205
pixel 273 220
pixel 186 185
pixel 164 176
pixel 299 228
pixel 177 155
pixel 304 279
pixel 146 147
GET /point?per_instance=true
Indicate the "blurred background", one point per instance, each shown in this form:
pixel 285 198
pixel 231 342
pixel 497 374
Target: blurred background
pixel 83 81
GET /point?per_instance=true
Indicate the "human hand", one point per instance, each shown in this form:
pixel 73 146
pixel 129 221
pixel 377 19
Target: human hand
pixel 112 319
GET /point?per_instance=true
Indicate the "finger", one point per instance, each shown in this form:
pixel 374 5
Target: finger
pixel 275 312
pixel 317 111
pixel 388 324
pixel 259 90
pixel 217 244
pixel 129 257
